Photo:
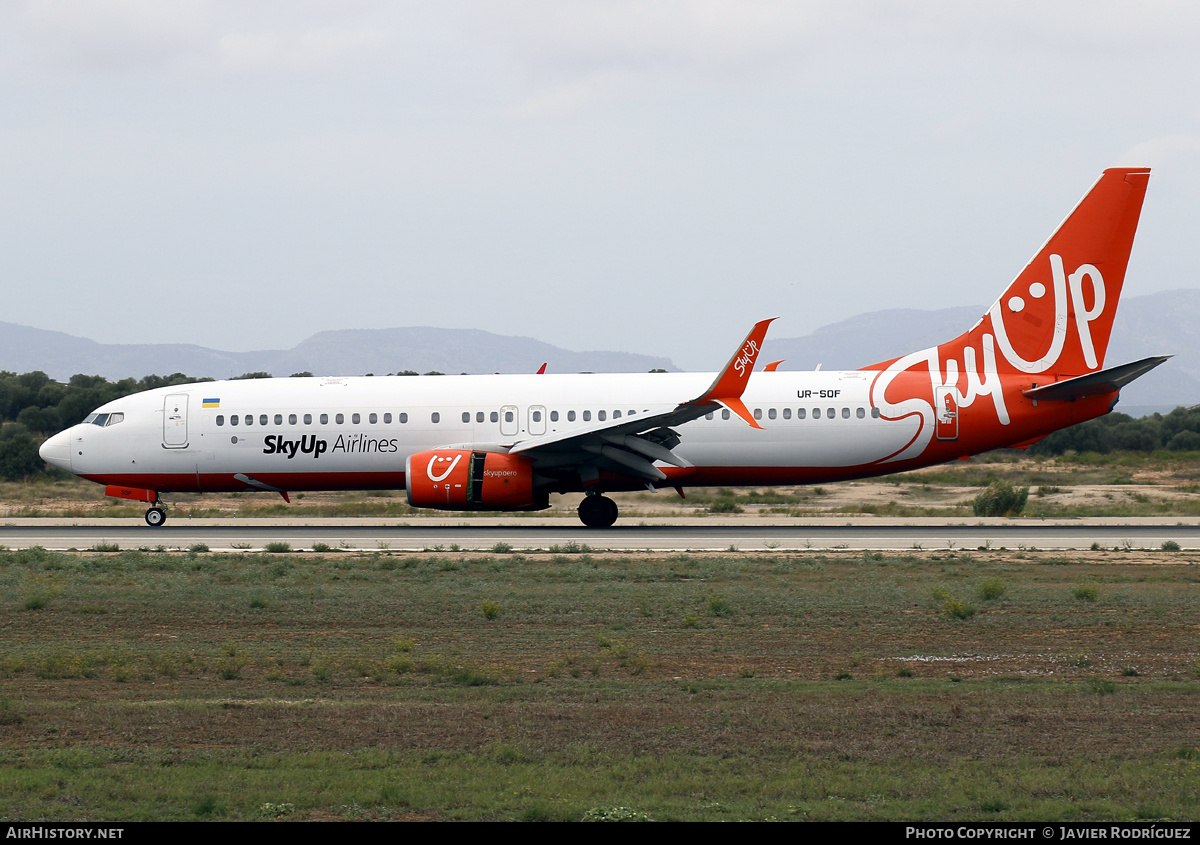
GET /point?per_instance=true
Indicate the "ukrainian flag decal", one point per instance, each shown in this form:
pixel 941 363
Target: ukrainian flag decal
pixel 211 403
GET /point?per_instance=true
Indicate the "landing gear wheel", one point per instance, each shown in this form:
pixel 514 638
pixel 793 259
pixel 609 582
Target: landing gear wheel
pixel 156 517
pixel 597 511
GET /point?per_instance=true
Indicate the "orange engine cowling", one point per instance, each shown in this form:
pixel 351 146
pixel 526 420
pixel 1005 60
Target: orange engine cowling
pixel 463 480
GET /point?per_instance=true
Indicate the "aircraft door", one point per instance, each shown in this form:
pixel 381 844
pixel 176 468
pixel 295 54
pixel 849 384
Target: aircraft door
pixel 509 421
pixel 946 402
pixel 175 421
pixel 537 419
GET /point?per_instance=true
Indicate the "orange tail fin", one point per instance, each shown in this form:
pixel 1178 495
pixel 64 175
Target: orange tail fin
pixel 1058 314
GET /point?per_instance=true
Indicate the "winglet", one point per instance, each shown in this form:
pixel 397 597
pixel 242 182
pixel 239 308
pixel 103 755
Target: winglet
pixel 731 382
pixel 773 366
pixel 542 369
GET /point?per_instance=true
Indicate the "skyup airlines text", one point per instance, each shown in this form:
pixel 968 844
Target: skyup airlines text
pixel 310 444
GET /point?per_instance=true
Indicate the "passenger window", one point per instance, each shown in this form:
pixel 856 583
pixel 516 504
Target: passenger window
pixel 435 417
pixel 249 419
pixel 339 419
pixel 508 416
pixel 387 419
pixel 831 413
pixel 403 418
pixel 537 416
pixel 787 413
pixel 725 414
pixel 874 413
pixel 308 419
pixel 355 419
pixel 233 419
pixel 709 415
pixel 616 415
pixel 324 419
pixel 466 416
pixel 570 416
pixel 771 414
pixel 801 413
pixel 220 419
pixel 262 419
pixel 862 413
pixel 600 415
pixel 494 417
pixel 279 419
pixel 554 416
pixel 845 413
pixel 587 416
pixel 479 416
pixel 758 413
pixel 291 419
pixel 373 419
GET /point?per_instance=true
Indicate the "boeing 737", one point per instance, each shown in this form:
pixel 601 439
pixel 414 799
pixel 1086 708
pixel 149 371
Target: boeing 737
pixel 1034 363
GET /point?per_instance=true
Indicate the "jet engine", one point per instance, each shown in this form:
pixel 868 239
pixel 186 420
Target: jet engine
pixel 463 480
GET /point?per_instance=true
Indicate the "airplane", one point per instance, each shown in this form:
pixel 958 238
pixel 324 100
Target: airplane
pixel 1032 364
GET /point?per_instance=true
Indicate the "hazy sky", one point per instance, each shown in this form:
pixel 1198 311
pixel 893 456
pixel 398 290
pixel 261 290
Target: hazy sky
pixel 643 176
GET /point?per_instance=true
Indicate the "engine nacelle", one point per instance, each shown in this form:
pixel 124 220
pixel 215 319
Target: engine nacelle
pixel 465 480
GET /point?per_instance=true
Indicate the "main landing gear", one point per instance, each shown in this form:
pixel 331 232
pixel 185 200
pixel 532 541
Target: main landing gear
pixel 596 511
pixel 156 516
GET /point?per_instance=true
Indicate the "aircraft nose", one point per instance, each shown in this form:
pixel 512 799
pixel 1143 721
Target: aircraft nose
pixel 56 451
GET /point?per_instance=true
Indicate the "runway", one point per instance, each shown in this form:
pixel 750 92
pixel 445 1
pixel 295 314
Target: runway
pixel 565 535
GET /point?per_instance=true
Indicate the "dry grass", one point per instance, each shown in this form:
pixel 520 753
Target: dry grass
pixel 693 687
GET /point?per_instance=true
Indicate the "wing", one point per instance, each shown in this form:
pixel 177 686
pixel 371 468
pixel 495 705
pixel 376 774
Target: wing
pixel 631 446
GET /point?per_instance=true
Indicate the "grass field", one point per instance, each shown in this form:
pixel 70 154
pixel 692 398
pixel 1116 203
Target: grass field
pixel 578 684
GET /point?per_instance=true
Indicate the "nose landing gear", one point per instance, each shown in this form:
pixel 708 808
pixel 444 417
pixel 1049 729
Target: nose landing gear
pixel 156 516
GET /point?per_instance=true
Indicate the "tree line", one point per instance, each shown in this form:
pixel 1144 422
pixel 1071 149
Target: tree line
pixel 33 406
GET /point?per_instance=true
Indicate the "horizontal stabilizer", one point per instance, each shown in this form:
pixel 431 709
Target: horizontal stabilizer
pixel 1092 384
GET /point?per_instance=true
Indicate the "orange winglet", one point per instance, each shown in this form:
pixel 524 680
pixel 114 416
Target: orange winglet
pixel 732 381
pixel 542 369
pixel 774 365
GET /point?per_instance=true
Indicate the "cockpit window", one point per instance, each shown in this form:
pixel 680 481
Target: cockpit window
pixel 98 419
pixel 113 419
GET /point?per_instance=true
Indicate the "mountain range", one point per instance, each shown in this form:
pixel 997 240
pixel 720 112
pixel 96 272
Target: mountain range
pixel 1165 323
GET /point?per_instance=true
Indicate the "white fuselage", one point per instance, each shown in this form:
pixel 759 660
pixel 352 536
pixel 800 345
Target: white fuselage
pixel 334 433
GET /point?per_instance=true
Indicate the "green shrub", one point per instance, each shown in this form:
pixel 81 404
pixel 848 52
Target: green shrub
pixel 490 609
pixel 1000 499
pixel 992 588
pixel 725 506
pixel 1170 546
pixel 957 609
pixel 278 547
pixel 1087 592
pixel 717 606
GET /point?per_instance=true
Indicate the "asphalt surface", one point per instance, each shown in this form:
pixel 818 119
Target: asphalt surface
pixel 549 534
